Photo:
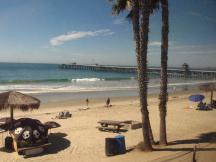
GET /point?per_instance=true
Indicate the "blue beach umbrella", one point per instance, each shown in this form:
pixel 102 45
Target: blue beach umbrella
pixel 196 97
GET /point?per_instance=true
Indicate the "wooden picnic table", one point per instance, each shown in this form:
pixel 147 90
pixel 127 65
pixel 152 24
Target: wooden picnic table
pixel 115 125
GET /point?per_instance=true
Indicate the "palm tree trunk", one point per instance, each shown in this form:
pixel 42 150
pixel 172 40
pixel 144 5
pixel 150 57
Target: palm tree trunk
pixel 142 72
pixel 151 136
pixel 164 57
pixel 136 31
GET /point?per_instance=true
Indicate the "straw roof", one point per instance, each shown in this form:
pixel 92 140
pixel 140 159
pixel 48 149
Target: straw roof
pixel 18 100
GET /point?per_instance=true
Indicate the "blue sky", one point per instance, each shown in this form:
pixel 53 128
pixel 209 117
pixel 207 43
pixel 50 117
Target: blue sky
pixel 65 31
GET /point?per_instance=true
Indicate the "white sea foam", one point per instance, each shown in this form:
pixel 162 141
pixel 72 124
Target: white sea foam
pixel 88 85
pixel 86 80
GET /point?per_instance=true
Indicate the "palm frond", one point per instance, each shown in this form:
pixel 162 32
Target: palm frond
pixel 135 7
pixel 119 6
pixel 129 15
pixel 154 5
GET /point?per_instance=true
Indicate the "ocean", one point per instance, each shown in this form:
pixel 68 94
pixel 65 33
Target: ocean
pixel 42 78
pixel 48 79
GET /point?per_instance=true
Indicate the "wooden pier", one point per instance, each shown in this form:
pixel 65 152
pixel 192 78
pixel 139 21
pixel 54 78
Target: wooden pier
pixel 154 72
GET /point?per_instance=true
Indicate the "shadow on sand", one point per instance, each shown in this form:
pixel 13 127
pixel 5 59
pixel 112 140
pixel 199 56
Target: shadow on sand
pixel 3 149
pixel 58 143
pixel 183 152
pixel 209 137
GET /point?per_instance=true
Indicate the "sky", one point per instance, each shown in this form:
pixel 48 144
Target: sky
pixel 86 32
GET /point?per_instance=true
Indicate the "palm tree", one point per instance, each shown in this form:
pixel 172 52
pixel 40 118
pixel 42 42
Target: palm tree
pixel 141 41
pixel 164 57
pixel 142 70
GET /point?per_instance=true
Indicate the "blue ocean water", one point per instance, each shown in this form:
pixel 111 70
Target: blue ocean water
pixel 46 78
pixel 26 72
pixel 49 78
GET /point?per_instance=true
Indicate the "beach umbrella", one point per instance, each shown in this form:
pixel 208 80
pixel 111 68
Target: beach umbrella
pixel 196 97
pixel 17 100
pixel 51 124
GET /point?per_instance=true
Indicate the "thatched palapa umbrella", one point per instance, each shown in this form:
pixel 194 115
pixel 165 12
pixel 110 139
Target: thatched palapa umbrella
pixel 13 99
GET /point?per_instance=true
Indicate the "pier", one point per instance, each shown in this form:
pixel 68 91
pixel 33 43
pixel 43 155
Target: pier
pixel 154 72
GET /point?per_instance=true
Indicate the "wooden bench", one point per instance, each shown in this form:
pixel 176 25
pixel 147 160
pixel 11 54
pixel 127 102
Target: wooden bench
pixel 110 125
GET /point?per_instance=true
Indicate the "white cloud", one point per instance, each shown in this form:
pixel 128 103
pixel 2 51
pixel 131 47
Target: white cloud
pixel 158 43
pixel 119 21
pixel 155 43
pixel 61 39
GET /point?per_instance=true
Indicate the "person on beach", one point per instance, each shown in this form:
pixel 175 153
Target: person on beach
pixel 87 102
pixel 108 102
pixel 201 104
pixel 174 89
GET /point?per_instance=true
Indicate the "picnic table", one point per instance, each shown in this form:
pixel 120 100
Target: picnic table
pixel 111 125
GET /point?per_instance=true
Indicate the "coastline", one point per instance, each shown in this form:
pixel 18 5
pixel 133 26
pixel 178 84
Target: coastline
pixel 177 88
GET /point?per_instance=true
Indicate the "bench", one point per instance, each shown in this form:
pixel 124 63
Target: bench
pixel 111 125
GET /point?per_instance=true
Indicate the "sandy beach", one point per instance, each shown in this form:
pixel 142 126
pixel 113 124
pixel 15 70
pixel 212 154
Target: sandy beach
pixel 78 139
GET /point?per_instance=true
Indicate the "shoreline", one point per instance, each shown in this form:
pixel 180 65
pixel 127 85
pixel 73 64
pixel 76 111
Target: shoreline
pixel 64 96
pixel 98 88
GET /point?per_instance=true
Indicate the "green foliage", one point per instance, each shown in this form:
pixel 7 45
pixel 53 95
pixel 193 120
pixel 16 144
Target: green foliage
pixel 119 6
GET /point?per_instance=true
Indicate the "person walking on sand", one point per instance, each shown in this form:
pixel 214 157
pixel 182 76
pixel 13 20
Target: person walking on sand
pixel 108 102
pixel 174 89
pixel 87 102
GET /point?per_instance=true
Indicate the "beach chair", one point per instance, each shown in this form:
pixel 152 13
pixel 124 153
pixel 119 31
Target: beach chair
pixel 64 115
pixel 204 107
